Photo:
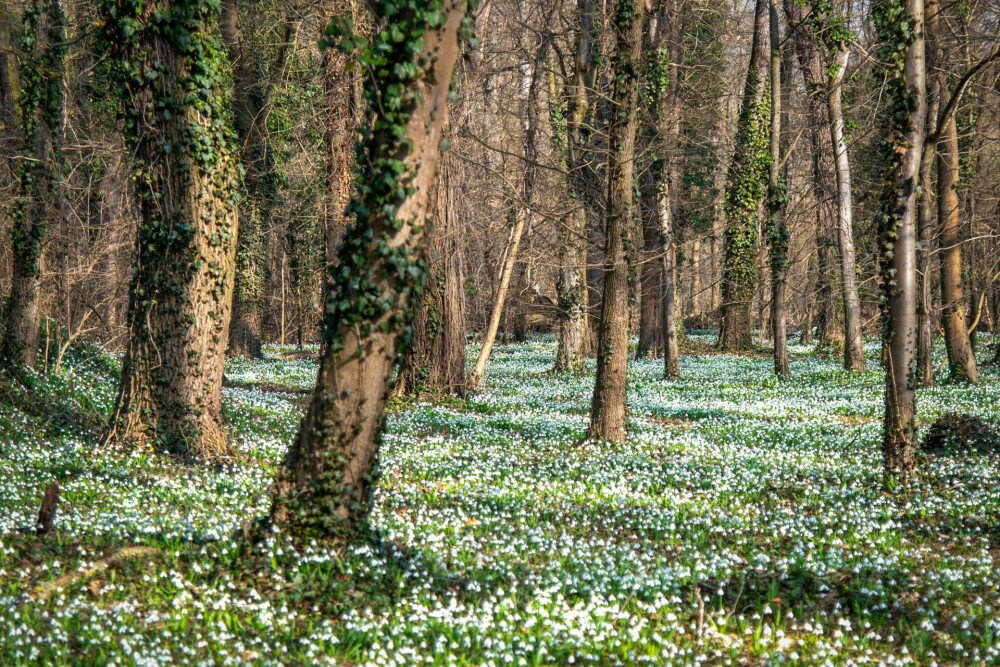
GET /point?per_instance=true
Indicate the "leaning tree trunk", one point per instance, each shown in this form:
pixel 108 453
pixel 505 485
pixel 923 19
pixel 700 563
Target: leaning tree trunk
pixel 608 409
pixel 435 361
pixel 522 217
pixel 961 360
pixel 41 102
pixel 776 197
pixel 745 188
pixel 323 485
pixel 171 385
pixel 900 25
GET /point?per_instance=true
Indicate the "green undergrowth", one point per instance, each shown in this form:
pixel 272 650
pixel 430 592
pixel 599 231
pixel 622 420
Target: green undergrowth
pixel 743 521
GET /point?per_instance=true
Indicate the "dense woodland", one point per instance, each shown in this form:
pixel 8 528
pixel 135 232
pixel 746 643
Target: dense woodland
pixel 677 318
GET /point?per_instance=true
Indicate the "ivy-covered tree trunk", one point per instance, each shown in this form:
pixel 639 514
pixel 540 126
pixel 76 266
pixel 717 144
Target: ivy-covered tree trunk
pixel 323 485
pixel 961 360
pixel 745 188
pixel 41 118
pixel 435 361
pixel 608 406
pixel 777 229
pixel 900 26
pixel 172 68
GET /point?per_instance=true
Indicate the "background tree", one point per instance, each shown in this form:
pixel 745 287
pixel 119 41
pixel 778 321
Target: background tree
pixel 608 407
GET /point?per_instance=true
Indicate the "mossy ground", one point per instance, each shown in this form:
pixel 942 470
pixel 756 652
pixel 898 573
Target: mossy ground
pixel 744 520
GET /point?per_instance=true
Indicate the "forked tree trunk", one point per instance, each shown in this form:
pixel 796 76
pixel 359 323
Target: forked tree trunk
pixel 171 385
pixel 322 487
pixel 961 360
pixel 745 189
pixel 608 407
pixel 906 89
pixel 41 128
pixel 435 361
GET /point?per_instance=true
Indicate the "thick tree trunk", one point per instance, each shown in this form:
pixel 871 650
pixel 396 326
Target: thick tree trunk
pixel 608 406
pixel 42 112
pixel 746 185
pixel 323 485
pixel 435 361
pixel 897 234
pixel 854 344
pixel 961 361
pixel 668 311
pixel 171 385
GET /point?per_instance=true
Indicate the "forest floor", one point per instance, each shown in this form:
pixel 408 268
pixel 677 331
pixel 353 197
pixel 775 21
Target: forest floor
pixel 743 521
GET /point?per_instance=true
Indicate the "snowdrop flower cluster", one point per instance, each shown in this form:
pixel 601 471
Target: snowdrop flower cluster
pixel 742 522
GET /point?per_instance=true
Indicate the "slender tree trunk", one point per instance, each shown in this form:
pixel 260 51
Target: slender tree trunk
pixel 854 344
pixel 608 407
pixel 41 119
pixel 961 361
pixel 323 485
pixel 776 207
pixel 522 217
pixel 746 186
pixel 903 56
pixel 650 280
pixel 171 384
pixel 668 254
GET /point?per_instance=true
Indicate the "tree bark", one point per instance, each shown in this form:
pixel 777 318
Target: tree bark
pixel 435 362
pixel 170 392
pixel 961 361
pixel 323 485
pixel 608 406
pixel 897 234
pixel 776 207
pixel 42 112
pixel 854 344
pixel 746 185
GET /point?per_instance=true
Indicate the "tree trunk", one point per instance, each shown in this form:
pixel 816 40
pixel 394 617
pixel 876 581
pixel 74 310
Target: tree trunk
pixel 854 344
pixel 42 112
pixel 571 291
pixel 522 217
pixel 608 407
pixel 961 361
pixel 435 361
pixel 171 385
pixel 323 485
pixel 776 207
pixel 906 90
pixel 746 185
